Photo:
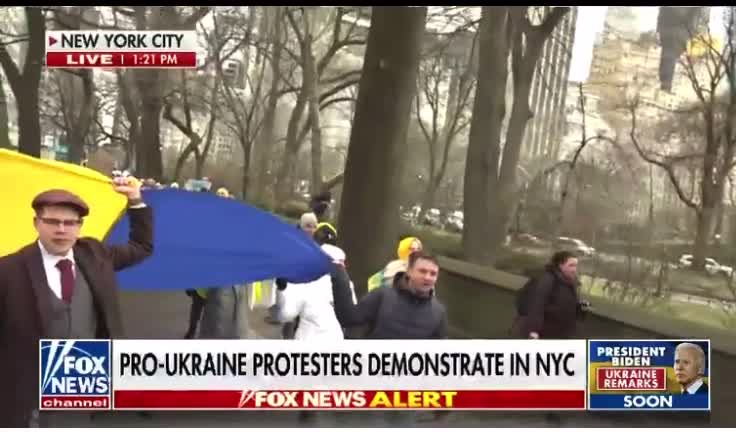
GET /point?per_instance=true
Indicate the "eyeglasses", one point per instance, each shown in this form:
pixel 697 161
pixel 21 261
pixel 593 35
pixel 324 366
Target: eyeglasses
pixel 67 223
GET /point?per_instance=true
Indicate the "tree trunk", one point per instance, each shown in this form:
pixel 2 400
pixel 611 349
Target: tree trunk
pixel 526 43
pixel 489 110
pixel 149 161
pixel 117 118
pixel 704 220
pixel 430 197
pixel 284 179
pixel 310 73
pixel 130 106
pixel 504 195
pixel 82 116
pixel 246 146
pixel 4 120
pixel 25 82
pixel 264 146
pixel 210 134
pixel 369 217
pixel 183 157
pixel 29 124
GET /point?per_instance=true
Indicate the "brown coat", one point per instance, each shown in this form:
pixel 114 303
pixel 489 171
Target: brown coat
pixel 25 308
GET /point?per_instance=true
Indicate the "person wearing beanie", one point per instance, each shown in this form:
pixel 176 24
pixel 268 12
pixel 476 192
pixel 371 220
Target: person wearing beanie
pixel 385 276
pixel 325 234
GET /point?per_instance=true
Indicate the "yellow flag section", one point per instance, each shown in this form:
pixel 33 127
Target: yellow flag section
pixel 23 177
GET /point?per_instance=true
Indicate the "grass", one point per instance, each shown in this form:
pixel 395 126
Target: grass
pixel 710 316
pixel 692 282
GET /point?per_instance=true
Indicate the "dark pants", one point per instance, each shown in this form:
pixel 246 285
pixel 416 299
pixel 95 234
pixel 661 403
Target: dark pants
pixel 195 313
pixel 288 330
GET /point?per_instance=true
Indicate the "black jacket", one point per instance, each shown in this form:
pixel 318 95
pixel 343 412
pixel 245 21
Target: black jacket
pixel 391 312
pixel 554 307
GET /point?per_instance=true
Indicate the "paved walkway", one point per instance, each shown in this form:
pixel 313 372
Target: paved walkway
pixel 165 315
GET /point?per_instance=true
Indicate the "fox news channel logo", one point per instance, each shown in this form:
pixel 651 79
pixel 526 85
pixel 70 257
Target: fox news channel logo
pixel 655 375
pixel 74 375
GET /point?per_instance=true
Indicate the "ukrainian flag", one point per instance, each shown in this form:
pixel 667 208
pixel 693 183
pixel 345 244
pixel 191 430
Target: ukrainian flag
pixel 25 177
pixel 200 240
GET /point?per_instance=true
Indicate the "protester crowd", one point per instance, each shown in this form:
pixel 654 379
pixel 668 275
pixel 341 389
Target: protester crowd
pixel 75 279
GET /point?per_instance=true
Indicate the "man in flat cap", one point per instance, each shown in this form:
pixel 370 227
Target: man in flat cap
pixel 62 287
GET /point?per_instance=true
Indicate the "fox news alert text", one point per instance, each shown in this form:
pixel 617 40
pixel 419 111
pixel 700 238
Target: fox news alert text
pixel 649 375
pixel 351 374
pixel 121 49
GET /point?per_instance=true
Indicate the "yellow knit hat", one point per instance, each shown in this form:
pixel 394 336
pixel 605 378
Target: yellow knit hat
pixel 407 246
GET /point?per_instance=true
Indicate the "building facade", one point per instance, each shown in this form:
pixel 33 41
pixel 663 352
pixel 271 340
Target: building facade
pixel 549 92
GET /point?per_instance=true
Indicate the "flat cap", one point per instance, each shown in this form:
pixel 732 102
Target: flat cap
pixel 60 197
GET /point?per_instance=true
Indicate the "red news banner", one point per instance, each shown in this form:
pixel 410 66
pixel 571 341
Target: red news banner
pixel 351 374
pixel 121 49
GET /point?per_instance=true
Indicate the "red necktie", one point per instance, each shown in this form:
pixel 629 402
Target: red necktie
pixel 67 279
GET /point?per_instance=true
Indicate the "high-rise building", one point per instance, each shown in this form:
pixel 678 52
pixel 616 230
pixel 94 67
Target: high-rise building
pixel 622 22
pixel 549 91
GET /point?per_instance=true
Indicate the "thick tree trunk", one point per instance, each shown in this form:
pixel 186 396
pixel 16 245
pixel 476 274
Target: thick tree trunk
pixel 526 43
pixel 484 147
pixel 369 216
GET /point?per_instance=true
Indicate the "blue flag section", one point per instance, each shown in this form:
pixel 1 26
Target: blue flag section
pixel 670 375
pixel 202 241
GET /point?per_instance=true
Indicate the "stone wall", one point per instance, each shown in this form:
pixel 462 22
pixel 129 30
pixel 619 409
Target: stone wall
pixel 480 303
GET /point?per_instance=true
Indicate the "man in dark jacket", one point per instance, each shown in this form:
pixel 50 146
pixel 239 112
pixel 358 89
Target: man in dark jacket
pixel 406 310
pixel 554 306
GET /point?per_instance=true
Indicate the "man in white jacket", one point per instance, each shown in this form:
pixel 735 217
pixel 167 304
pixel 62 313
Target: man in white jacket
pixel 313 303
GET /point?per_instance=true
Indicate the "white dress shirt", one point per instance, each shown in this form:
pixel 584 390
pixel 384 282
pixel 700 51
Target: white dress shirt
pixel 53 274
pixel 692 388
